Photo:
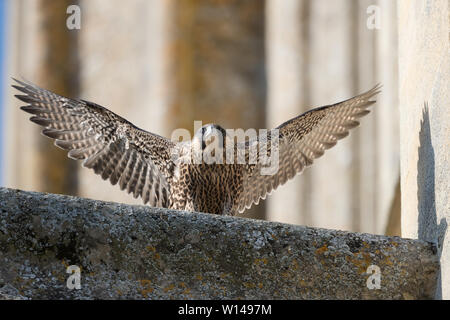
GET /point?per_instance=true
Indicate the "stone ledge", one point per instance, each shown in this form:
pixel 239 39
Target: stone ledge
pixel 138 252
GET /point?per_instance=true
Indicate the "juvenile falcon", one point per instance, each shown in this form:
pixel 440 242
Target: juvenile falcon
pixel 162 172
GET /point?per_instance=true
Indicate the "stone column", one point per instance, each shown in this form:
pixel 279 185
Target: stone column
pixel 219 66
pixel 377 139
pixel 286 46
pixel 125 54
pixel 310 47
pixel 331 74
pixel 424 77
pixel 386 116
pixel 364 197
pixel 44 51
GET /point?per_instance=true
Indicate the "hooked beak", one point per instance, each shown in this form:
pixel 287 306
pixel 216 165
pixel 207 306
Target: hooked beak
pixel 210 134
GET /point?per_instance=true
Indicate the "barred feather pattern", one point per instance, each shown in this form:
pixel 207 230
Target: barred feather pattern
pixel 139 161
pixel 142 163
pixel 302 140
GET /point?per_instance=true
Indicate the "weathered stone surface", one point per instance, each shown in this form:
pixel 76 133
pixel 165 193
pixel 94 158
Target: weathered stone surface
pixel 8 292
pixel 132 251
pixel 302 72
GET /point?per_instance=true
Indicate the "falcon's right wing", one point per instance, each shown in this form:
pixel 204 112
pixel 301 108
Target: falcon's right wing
pixel 113 147
pixel 301 140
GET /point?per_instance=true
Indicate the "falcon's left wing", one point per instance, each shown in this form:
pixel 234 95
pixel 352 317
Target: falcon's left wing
pixel 113 147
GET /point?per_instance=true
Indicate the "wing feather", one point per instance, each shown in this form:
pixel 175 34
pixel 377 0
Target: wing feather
pixel 302 140
pixel 107 143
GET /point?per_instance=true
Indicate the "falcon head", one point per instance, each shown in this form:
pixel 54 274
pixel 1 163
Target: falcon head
pixel 210 134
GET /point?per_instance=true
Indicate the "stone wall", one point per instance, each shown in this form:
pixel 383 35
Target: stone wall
pixel 424 79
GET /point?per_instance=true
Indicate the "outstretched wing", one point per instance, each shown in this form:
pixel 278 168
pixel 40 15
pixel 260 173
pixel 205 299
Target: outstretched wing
pixel 300 141
pixel 110 145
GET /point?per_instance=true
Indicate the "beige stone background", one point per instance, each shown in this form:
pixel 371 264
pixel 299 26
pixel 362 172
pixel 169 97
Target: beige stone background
pixel 253 64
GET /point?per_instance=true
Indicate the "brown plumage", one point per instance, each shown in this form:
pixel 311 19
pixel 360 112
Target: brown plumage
pixel 152 167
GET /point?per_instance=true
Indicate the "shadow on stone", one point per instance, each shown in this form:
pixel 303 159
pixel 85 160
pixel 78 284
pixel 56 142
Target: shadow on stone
pixel 429 229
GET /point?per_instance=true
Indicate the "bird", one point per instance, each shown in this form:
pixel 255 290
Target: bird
pixel 190 175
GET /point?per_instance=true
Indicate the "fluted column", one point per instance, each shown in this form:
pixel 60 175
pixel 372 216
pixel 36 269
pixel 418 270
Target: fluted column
pixel 44 51
pixel 125 54
pixel 219 66
pixel 287 54
pixel 424 77
pixel 321 52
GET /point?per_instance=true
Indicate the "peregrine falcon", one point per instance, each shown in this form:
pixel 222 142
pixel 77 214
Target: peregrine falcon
pixel 158 170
